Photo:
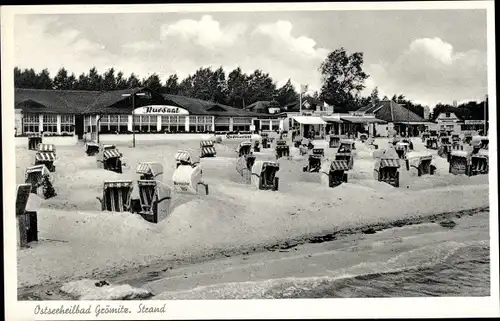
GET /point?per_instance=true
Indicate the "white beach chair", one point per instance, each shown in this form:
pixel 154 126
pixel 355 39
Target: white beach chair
pixel 188 175
pixel 264 175
pixel 27 205
pixel 38 177
pixel 422 161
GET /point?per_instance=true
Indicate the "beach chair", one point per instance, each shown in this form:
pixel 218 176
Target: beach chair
pixel 333 172
pixel 363 137
pixel 116 196
pixel 479 163
pixel 256 146
pixel 481 142
pixel 409 142
pixel 155 198
pixel 207 149
pixel 459 162
pixel 467 138
pixel 387 166
pixel 345 152
pixel 188 175
pixel 244 148
pixel 334 141
pixel 265 142
pixel 422 161
pixel 33 140
pixel 402 149
pixel 371 143
pixel 264 175
pixel 387 170
pixel 39 178
pixel 150 171
pixel 183 157
pixel 27 205
pixel 91 148
pixel 244 166
pixel 46 155
pixel 425 136
pixel 314 164
pixel 444 146
pixel 431 142
pixel 282 149
pixel 109 158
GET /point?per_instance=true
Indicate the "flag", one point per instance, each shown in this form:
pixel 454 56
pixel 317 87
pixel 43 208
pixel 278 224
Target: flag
pixel 303 88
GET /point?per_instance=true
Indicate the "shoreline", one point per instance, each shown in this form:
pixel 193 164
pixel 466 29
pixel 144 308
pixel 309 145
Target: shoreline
pixel 151 272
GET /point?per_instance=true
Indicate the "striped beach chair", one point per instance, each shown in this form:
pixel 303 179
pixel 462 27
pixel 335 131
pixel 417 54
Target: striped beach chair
pixel 387 170
pixel 334 173
pixel 207 148
pixel 183 157
pixel 150 171
pixel 459 162
pixel 109 158
pixel 46 155
pixel 33 140
pixel 38 176
pixel 116 196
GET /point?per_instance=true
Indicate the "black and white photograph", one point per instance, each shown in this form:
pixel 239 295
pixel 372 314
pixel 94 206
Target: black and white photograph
pixel 157 154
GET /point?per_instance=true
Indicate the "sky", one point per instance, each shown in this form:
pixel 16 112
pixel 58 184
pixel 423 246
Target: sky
pixel 430 56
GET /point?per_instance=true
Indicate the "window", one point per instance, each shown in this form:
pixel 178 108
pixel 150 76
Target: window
pixel 447 115
pixel 31 123
pixel 50 123
pixel 275 124
pixel 264 124
pixel 221 124
pixel 200 124
pixel 173 124
pixel 241 124
pixel 113 124
pixel 145 124
pixel 67 123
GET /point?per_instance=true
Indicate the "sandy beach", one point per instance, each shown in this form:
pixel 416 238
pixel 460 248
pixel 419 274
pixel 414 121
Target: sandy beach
pixel 78 241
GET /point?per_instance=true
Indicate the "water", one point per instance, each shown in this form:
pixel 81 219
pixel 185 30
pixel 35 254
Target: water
pixel 425 260
pixel 464 273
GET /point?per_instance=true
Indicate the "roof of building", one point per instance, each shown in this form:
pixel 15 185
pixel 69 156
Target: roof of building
pixel 392 112
pixel 113 102
pixel 54 101
pixel 260 106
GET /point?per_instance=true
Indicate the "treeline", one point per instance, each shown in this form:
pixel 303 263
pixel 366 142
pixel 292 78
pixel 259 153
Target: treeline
pixel 236 89
pixel 469 110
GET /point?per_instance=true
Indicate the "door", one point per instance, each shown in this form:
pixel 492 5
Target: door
pixel 79 126
pixel 256 123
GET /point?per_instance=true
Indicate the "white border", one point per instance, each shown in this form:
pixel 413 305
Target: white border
pixel 237 309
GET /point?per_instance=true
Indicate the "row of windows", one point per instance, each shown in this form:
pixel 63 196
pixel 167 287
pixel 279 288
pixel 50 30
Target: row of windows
pixel 31 123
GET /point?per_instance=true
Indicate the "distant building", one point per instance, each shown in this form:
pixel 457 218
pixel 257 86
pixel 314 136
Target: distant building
pixel 399 119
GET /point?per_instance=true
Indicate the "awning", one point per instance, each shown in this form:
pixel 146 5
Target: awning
pixel 44 157
pixel 362 120
pixel 206 143
pixel 117 184
pixel 111 153
pixel 414 122
pixel 331 119
pixel 183 156
pixel 46 148
pixel 208 150
pixel 389 162
pixel 309 120
pixel 339 165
